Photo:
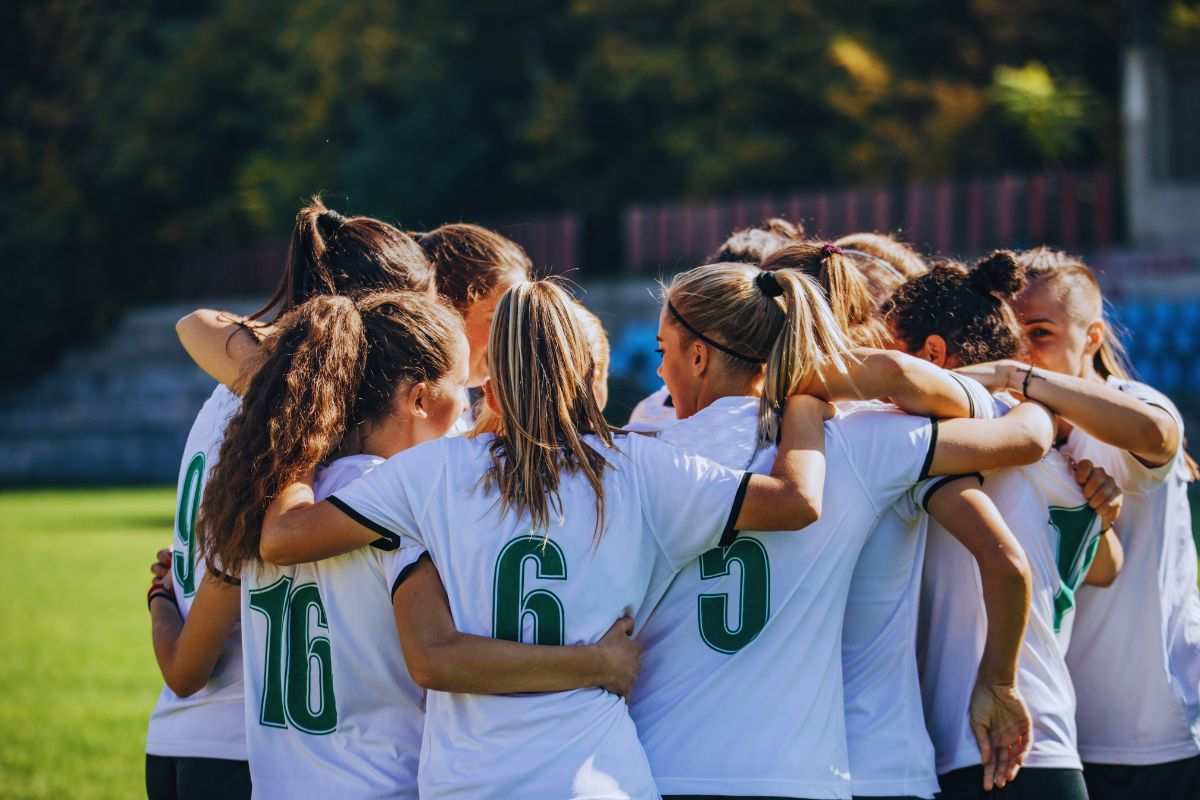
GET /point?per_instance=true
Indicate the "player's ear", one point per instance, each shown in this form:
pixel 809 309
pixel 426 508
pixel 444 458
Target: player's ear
pixel 698 353
pixel 416 400
pixel 934 350
pixel 1095 338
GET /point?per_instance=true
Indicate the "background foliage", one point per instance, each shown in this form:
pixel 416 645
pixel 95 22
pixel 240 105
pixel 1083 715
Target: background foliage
pixel 135 139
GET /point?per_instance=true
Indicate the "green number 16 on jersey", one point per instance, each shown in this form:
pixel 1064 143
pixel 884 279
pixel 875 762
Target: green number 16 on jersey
pixel 298 679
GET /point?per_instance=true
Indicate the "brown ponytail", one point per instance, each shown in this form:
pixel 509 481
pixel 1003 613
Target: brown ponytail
pixel 845 288
pixel 969 309
pixel 332 254
pixel 542 375
pixel 333 365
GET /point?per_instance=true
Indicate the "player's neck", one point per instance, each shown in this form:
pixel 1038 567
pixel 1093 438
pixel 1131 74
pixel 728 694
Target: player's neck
pixel 717 386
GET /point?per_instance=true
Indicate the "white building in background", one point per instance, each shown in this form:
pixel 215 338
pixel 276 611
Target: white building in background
pixel 1161 127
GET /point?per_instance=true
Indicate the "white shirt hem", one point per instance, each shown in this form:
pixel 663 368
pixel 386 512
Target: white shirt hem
pixel 831 790
pixel 191 748
pixel 1141 756
pixel 882 787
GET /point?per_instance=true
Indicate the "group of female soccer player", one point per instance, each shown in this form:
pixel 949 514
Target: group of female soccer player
pixel 857 546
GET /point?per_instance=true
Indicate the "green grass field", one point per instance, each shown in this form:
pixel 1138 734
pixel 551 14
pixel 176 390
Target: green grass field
pixel 79 676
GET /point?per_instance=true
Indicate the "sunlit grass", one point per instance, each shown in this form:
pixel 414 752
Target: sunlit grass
pixel 78 674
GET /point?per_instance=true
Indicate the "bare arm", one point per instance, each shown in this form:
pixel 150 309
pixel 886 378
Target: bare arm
pixel 916 386
pixel 999 718
pixel 442 659
pixel 1020 437
pixel 187 652
pixel 220 344
pixel 1105 498
pixel 1112 416
pixel 789 498
pixel 298 530
pixel 1110 558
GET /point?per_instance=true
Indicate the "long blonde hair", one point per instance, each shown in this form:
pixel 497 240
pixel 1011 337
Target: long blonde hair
pixel 778 319
pixel 488 421
pixel 542 374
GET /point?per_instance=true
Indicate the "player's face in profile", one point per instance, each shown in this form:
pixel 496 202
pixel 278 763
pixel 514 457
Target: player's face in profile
pixel 674 368
pixel 478 322
pixel 1054 340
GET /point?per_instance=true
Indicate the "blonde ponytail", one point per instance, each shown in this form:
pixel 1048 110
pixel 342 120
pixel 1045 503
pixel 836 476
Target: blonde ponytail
pixel 542 375
pixel 751 318
pixel 846 289
pixel 809 337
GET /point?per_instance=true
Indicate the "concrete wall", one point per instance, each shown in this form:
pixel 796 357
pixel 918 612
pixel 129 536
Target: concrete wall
pixel 118 411
pixel 1162 209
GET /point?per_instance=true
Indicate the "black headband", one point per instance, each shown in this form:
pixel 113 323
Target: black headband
pixel 675 313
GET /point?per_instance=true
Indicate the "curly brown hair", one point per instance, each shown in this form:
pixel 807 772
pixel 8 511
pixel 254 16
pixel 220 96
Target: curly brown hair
pixel 334 364
pixel 968 308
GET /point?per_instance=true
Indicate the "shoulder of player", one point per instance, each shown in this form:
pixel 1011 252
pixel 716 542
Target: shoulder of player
pixel 1147 394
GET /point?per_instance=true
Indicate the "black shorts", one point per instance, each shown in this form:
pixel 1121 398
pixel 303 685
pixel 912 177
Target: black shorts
pixel 1032 783
pixel 176 778
pixel 1174 780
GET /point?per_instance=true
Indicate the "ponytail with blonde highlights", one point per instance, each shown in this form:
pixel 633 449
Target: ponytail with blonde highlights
pixel 846 289
pixel 542 376
pixel 776 323
pixel 334 365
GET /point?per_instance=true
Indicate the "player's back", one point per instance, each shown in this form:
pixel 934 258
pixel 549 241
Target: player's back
pixel 741 683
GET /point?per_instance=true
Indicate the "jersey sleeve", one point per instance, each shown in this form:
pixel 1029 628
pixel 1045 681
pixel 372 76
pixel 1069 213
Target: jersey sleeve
pixel 1142 477
pixel 398 563
pixel 980 403
pixel 891 451
pixel 689 503
pixel 390 499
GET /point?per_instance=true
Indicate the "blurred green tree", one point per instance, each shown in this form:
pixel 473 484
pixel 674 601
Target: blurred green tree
pixel 134 141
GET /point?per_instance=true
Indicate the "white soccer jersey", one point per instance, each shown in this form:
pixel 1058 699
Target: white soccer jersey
pixel 1059 533
pixel 653 413
pixel 741 684
pixel 564 586
pixel 208 724
pixel 1135 655
pixel 890 750
pixel 331 710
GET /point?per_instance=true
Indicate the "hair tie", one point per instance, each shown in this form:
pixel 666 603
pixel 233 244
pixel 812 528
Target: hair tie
pixel 330 221
pixel 830 249
pixel 768 284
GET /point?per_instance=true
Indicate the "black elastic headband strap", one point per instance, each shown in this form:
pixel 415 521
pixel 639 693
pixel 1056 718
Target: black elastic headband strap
pixel 675 313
